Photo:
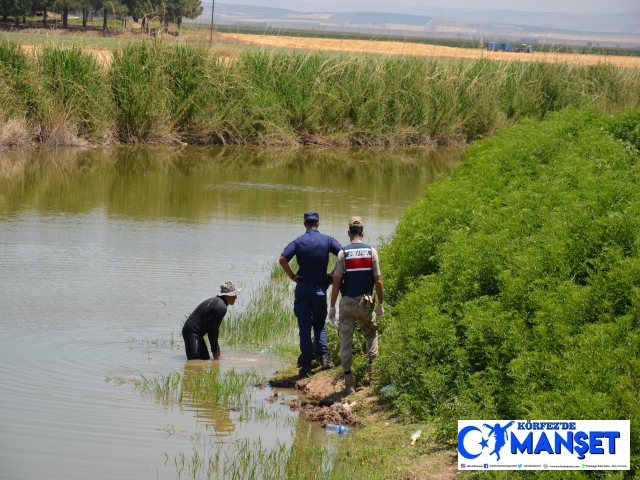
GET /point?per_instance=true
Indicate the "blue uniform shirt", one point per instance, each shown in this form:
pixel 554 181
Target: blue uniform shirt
pixel 312 252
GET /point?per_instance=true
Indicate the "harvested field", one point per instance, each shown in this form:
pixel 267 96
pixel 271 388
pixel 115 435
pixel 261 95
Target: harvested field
pixel 421 50
pixel 102 55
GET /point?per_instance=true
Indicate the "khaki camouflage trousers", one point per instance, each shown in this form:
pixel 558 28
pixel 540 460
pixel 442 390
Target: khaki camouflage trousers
pixel 350 314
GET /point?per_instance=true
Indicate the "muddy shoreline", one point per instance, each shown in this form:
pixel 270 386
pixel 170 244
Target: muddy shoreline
pixel 326 402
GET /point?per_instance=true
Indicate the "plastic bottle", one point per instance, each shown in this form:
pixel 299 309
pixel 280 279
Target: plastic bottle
pixel 332 427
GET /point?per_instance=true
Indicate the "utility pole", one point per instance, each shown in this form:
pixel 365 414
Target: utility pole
pixel 213 4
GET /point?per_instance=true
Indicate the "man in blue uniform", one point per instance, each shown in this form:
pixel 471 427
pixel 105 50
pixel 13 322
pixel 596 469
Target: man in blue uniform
pixel 310 306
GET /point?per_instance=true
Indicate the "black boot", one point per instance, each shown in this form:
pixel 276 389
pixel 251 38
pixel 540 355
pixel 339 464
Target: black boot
pixel 305 370
pixel 326 363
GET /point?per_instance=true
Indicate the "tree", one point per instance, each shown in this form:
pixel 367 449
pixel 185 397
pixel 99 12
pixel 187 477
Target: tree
pixel 6 8
pixel 137 8
pixel 176 10
pixel 20 9
pixel 43 5
pixel 65 6
pixel 102 5
pixel 85 6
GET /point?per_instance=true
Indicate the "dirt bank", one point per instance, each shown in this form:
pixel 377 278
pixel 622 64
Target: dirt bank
pixel 420 50
pixel 326 404
pixel 381 445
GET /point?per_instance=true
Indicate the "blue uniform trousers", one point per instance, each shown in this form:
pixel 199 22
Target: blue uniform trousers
pixel 311 311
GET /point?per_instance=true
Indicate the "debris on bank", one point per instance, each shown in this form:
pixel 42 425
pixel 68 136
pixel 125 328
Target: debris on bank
pixel 327 402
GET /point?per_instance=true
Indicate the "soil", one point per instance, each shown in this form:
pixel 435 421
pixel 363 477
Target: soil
pixel 327 402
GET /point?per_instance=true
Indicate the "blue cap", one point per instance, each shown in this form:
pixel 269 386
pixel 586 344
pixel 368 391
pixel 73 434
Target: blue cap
pixel 312 216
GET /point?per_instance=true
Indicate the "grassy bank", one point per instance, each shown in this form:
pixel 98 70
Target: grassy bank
pixel 155 92
pixel 515 282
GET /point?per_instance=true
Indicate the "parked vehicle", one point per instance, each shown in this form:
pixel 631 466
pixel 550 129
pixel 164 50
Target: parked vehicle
pixel 492 46
pixel 507 47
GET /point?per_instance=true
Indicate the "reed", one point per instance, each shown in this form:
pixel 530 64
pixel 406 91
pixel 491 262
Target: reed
pixel 267 322
pixel 159 92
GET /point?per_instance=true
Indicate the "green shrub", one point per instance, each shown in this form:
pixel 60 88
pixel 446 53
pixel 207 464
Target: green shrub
pixel 515 283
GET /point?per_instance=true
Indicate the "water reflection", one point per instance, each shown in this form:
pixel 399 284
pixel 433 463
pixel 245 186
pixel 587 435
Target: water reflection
pixel 196 183
pixel 213 416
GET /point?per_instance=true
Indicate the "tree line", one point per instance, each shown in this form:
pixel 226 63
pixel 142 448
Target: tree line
pixel 162 11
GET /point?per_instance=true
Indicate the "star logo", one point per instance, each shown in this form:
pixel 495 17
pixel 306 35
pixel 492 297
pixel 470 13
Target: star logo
pixel 484 443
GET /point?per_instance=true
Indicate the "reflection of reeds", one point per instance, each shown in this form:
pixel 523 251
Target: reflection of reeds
pixel 196 183
pixel 308 457
pixel 155 91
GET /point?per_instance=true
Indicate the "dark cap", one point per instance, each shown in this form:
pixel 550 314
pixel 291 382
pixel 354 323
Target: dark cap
pixel 356 222
pixel 312 216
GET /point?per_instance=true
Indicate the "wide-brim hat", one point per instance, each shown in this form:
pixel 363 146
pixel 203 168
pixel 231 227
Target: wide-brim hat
pixel 229 289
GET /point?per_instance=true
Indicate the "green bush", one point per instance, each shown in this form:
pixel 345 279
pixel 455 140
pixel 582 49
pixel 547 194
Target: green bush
pixel 515 284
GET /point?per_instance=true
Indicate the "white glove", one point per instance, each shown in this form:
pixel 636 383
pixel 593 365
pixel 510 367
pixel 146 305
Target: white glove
pixel 332 314
pixel 380 310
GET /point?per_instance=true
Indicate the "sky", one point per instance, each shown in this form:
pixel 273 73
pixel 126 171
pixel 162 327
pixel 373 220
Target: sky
pixel 432 7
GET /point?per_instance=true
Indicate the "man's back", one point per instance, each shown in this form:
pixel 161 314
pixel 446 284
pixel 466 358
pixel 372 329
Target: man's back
pixel 312 249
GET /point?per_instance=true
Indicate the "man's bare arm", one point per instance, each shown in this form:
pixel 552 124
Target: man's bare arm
pixel 287 269
pixel 335 290
pixel 379 290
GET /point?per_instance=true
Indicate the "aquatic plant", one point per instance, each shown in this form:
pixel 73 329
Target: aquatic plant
pixel 515 283
pixel 159 92
pixel 267 322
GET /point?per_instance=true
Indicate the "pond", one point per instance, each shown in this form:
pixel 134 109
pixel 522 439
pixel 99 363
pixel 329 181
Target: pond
pixel 103 253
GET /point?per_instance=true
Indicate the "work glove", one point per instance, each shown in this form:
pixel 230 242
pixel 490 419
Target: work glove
pixel 380 310
pixel 332 314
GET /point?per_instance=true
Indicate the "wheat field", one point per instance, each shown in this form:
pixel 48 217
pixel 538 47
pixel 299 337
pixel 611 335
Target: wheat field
pixel 420 50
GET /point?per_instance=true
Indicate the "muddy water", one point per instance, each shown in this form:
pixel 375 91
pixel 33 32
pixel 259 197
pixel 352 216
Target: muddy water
pixel 104 251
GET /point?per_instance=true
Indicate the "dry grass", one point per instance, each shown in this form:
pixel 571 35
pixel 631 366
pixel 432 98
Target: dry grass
pixel 14 133
pixel 102 55
pixel 421 50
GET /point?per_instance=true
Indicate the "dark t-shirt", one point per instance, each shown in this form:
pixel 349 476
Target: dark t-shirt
pixel 312 252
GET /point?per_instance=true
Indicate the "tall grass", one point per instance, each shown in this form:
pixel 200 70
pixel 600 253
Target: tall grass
pixel 162 92
pixel 268 321
pixel 515 282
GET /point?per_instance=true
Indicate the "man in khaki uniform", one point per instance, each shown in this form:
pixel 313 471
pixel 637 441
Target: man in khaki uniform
pixel 357 272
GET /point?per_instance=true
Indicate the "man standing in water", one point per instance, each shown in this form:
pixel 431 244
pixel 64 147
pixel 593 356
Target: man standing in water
pixel 206 320
pixel 310 306
pixel 357 271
